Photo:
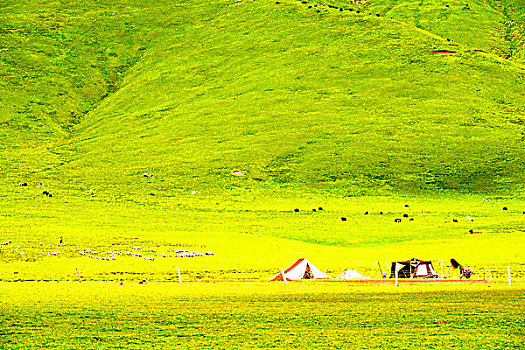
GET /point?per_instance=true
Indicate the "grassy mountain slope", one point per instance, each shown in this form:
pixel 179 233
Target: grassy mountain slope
pixel 60 60
pixel 345 100
pixel 57 62
pixel 463 22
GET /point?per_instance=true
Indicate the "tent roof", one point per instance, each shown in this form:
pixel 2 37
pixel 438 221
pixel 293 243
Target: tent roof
pixel 351 274
pixel 414 261
pixel 298 269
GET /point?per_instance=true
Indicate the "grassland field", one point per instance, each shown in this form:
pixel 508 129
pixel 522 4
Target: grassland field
pixel 202 126
pixel 253 239
pixel 64 315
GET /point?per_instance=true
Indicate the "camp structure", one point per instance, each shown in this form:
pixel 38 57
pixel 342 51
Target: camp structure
pixel 413 269
pixel 463 271
pixel 301 269
pixel 351 275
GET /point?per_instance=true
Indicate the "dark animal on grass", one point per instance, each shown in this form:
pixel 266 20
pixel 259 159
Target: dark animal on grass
pixel 45 192
pixel 397 220
pixel 296 210
pixel 320 208
pixel 505 208
pixel 405 215
pixel 343 219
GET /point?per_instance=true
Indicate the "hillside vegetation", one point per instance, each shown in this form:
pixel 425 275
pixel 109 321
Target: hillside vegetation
pixel 299 97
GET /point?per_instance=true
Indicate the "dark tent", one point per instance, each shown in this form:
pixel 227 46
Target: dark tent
pixel 413 269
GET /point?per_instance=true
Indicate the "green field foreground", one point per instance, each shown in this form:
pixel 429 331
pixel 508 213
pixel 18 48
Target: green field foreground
pixel 260 315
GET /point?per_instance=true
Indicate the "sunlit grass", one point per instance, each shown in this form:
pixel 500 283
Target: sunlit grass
pixel 264 315
pixel 253 239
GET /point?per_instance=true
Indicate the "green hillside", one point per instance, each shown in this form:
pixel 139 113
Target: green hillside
pixel 336 101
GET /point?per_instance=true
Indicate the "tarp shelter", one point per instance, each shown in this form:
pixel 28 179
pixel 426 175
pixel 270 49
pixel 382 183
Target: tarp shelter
pixel 413 269
pixel 301 269
pixel 463 271
pixel 351 275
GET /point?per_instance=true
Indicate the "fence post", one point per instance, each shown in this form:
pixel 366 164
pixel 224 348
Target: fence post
pixel 178 271
pixel 397 273
pixel 508 271
pixel 78 274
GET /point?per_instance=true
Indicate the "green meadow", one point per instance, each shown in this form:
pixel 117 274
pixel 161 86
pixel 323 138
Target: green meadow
pixel 262 132
pixel 252 238
pixel 259 315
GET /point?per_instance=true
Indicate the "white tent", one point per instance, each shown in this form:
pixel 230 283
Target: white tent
pixel 351 275
pixel 301 269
